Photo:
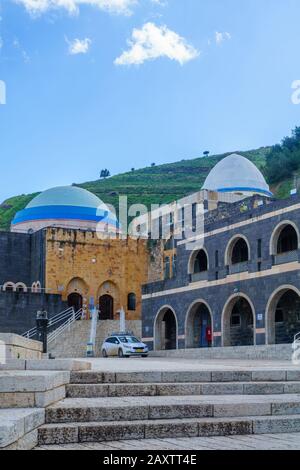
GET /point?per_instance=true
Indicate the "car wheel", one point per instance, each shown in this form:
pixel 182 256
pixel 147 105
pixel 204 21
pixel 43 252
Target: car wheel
pixel 104 353
pixel 120 353
pixel 144 355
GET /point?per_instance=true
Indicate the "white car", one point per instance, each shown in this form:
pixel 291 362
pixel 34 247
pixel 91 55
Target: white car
pixel 124 345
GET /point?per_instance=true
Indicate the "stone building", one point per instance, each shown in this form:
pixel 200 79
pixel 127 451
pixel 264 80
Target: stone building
pixel 237 281
pixel 64 250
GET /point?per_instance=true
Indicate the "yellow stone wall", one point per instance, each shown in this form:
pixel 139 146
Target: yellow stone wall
pixel 80 261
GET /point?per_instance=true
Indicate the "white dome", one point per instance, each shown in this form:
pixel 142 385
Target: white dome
pixel 236 174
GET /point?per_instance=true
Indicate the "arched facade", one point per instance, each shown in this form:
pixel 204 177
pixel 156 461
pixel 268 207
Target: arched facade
pixel 283 315
pixel 198 326
pixel 238 321
pixel 165 329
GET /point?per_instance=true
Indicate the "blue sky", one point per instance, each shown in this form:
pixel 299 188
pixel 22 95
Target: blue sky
pixel 197 75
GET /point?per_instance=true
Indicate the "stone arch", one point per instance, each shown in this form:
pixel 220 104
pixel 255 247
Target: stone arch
pixel 278 231
pixel 9 286
pixel 193 258
pixel 234 333
pixel 231 247
pixel 165 329
pixel 21 287
pixel 77 290
pixel 199 317
pixel 290 310
pixel 36 287
pixel 77 285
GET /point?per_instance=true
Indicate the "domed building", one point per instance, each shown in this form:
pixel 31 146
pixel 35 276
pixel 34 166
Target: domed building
pixel 238 175
pixel 65 207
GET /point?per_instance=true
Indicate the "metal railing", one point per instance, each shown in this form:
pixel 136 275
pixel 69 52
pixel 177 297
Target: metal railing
pixel 65 326
pixel 296 341
pixel 61 317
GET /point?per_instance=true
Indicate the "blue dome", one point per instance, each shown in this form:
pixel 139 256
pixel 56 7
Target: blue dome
pixel 65 206
pixel 66 196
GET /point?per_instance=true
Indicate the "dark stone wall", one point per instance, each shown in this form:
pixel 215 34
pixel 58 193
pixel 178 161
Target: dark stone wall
pixel 22 257
pixel 259 289
pixel 18 310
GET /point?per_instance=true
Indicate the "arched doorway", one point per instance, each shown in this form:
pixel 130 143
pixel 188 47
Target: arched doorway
pixel 283 315
pixel 106 307
pixel 198 327
pixel 75 300
pixel 165 328
pixel 238 322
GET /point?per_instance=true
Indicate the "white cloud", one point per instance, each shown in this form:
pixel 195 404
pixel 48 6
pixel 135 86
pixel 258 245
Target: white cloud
pixel 162 3
pixel 16 44
pixel 221 37
pixel 38 7
pixel 79 46
pixel 152 42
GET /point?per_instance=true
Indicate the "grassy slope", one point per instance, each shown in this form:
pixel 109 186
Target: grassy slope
pixel 159 184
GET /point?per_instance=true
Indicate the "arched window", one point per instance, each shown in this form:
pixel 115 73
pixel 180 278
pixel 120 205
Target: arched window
pixel 9 287
pixel 284 239
pixel 201 262
pixel 287 240
pixel 21 287
pixel 238 251
pixel 131 302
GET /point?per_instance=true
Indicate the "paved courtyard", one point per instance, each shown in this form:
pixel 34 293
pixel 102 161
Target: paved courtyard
pixel 175 364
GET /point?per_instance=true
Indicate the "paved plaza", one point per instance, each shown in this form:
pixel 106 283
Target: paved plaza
pixel 173 364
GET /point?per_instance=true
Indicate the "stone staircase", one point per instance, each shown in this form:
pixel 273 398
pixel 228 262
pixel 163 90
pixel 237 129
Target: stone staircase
pixel 72 342
pixel 106 406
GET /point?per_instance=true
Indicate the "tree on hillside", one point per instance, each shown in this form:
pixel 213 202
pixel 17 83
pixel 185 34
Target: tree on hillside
pixel 284 158
pixel 104 173
pixel 206 153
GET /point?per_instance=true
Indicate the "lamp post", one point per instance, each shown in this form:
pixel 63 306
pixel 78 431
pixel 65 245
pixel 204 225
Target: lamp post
pixel 42 328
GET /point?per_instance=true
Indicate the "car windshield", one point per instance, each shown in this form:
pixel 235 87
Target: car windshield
pixel 128 339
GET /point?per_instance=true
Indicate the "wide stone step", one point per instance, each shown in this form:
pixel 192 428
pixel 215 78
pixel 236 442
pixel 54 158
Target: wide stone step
pixel 157 408
pixel 18 428
pixel 171 428
pixel 28 389
pixel 194 376
pixel 177 389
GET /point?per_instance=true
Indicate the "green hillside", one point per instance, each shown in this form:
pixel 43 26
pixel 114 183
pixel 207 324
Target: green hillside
pixel 166 183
